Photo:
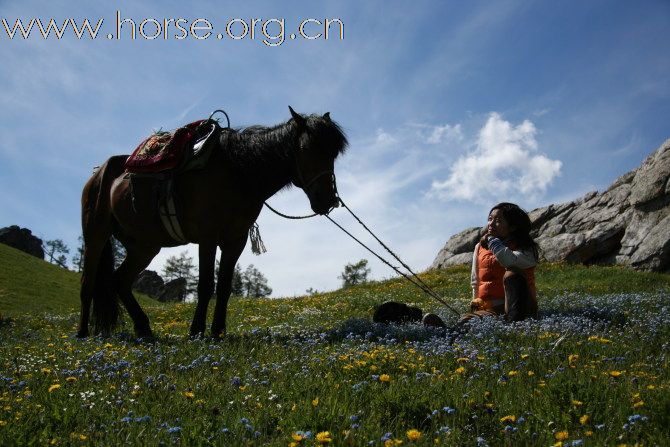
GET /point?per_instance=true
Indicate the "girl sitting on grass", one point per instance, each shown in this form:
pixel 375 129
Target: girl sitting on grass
pixel 503 269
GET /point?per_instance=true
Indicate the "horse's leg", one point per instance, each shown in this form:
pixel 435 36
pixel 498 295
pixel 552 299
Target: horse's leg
pixel 206 255
pixel 136 260
pixel 230 253
pixel 92 253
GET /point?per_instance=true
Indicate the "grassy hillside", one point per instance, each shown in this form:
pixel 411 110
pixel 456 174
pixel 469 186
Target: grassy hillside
pixel 31 285
pixel 314 370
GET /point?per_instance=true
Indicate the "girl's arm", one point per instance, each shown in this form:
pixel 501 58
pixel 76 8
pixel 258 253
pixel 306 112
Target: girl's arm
pixel 522 259
pixel 473 273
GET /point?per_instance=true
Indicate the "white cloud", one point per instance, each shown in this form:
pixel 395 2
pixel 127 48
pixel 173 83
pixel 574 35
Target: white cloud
pixel 447 132
pixel 505 164
pixel 384 139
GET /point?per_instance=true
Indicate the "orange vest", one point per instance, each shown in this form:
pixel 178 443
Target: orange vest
pixel 490 288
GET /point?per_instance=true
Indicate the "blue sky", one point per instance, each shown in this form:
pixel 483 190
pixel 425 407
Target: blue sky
pixel 449 106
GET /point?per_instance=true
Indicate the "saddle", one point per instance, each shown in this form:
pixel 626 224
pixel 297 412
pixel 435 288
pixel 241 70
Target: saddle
pixel 181 149
pixel 164 154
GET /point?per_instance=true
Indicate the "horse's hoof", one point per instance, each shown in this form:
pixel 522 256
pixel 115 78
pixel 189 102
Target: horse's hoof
pixel 218 335
pixel 82 334
pixel 197 335
pixel 144 334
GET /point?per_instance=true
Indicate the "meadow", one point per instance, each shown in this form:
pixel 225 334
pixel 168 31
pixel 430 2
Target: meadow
pixel 315 370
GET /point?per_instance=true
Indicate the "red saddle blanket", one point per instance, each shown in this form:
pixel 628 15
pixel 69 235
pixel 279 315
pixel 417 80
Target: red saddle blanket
pixel 163 150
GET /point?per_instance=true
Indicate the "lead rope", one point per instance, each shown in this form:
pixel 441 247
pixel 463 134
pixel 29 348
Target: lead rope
pixel 418 282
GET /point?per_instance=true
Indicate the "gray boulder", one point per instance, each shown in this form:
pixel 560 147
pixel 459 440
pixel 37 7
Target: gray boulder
pixel 22 239
pixel 173 291
pixel 457 248
pixel 150 283
pixel 627 224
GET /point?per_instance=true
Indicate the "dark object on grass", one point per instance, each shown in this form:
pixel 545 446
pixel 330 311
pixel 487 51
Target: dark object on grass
pixel 393 312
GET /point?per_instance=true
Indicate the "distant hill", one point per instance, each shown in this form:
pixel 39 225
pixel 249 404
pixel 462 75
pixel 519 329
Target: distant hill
pixel 31 285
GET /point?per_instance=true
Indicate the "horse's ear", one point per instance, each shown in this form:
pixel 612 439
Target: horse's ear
pixel 298 118
pixel 327 116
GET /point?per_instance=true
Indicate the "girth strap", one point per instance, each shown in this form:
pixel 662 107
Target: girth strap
pixel 168 214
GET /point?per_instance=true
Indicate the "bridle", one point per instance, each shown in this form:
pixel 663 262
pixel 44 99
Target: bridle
pixel 306 185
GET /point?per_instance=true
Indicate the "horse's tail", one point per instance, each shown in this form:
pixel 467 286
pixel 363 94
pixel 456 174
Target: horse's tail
pixel 105 302
pixel 98 273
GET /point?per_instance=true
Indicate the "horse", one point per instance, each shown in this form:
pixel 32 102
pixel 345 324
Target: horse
pixel 216 206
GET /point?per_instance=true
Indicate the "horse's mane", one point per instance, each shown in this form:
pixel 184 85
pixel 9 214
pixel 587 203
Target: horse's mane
pixel 258 146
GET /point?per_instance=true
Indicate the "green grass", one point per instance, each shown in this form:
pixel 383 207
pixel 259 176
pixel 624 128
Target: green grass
pixel 593 370
pixel 29 285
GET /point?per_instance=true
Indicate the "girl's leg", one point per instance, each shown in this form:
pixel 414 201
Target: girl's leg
pixel 517 296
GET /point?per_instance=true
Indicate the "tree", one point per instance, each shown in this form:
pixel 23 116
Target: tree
pixel 181 267
pixel 78 258
pixel 254 284
pixel 237 286
pixel 56 250
pixel 355 273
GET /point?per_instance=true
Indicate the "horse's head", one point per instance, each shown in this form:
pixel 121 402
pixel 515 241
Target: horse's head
pixel 319 140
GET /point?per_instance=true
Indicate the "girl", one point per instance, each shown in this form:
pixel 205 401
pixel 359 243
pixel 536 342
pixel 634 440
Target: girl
pixel 503 268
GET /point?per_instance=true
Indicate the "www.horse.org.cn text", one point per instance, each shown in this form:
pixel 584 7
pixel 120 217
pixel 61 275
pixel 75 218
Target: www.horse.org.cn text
pixel 271 32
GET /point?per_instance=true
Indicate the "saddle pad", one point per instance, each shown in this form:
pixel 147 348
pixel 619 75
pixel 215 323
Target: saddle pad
pixel 163 150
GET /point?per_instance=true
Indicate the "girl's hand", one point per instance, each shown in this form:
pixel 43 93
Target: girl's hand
pixel 484 240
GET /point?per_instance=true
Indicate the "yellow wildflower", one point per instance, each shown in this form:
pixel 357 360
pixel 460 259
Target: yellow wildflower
pixel 460 370
pixel 46 370
pixel 638 404
pixel 315 402
pixel 531 373
pixel 189 394
pixel 324 437
pixel 462 360
pixel 577 403
pixel 413 434
pixel 584 419
pixel 71 379
pixel 3 423
pixel 512 373
pixel 297 437
pixel 615 373
pixel 561 435
pixel 54 387
pixel 508 418
pixel 524 356
pixel 384 378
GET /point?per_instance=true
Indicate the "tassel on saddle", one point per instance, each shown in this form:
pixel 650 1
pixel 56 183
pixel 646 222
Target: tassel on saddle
pixel 257 246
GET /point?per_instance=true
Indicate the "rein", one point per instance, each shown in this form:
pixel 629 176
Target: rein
pixel 414 278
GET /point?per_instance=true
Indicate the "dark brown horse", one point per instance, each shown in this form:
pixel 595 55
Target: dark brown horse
pixel 216 206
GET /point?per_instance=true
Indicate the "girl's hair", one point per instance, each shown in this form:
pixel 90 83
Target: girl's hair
pixel 518 219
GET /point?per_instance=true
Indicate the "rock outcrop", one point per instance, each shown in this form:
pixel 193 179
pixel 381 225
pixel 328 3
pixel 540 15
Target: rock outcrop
pixel 174 291
pixel 150 283
pixel 22 239
pixel 627 224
